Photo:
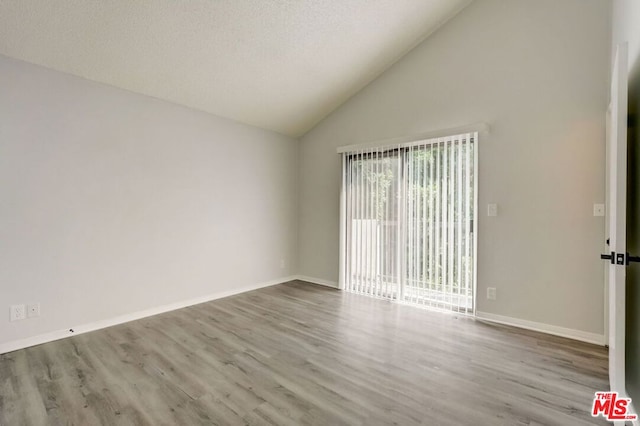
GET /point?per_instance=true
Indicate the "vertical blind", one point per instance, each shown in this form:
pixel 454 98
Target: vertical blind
pixel 408 222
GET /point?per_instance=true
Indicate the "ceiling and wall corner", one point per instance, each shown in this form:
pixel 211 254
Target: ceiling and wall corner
pixel 279 66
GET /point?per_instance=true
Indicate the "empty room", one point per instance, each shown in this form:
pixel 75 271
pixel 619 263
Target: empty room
pixel 300 212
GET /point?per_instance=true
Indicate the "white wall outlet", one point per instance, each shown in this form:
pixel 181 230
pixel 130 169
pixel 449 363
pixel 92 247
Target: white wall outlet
pixel 33 310
pixel 492 210
pixel 491 293
pixel 598 209
pixel 282 263
pixel 18 312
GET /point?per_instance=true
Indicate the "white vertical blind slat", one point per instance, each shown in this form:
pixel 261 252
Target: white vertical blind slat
pixel 367 226
pixel 358 223
pixel 350 215
pixel 460 218
pixel 425 219
pixel 445 222
pixel 416 224
pixel 431 221
pixel 451 221
pixel 377 226
pixel 438 222
pixel 467 198
pixel 469 218
pixel 398 230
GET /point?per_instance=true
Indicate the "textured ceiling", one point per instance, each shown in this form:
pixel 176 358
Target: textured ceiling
pixel 280 65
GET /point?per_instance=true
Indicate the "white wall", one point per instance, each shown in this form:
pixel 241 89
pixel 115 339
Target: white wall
pixel 537 72
pixel 112 202
pixel 626 27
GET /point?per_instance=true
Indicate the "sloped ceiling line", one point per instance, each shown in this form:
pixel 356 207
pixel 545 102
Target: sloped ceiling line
pixel 279 65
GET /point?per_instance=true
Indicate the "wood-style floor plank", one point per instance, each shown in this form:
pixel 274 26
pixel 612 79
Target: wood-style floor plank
pixel 297 354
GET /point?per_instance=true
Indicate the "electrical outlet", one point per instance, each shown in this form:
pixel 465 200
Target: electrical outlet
pixel 33 310
pixel 18 313
pixel 491 293
pixel 492 210
pixel 598 210
pixel 282 263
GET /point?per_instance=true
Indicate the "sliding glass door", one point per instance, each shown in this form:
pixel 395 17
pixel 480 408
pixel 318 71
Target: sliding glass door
pixel 408 223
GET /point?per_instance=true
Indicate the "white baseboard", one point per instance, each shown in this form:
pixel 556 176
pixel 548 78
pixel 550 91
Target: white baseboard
pixel 569 333
pixel 85 328
pixel 319 281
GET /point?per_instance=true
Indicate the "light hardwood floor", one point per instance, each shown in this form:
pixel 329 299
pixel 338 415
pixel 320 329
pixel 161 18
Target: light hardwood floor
pixel 297 353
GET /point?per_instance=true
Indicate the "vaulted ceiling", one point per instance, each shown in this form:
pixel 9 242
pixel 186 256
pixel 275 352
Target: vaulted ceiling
pixel 281 65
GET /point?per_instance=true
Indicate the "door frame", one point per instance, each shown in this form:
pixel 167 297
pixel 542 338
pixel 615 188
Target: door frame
pixel 616 175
